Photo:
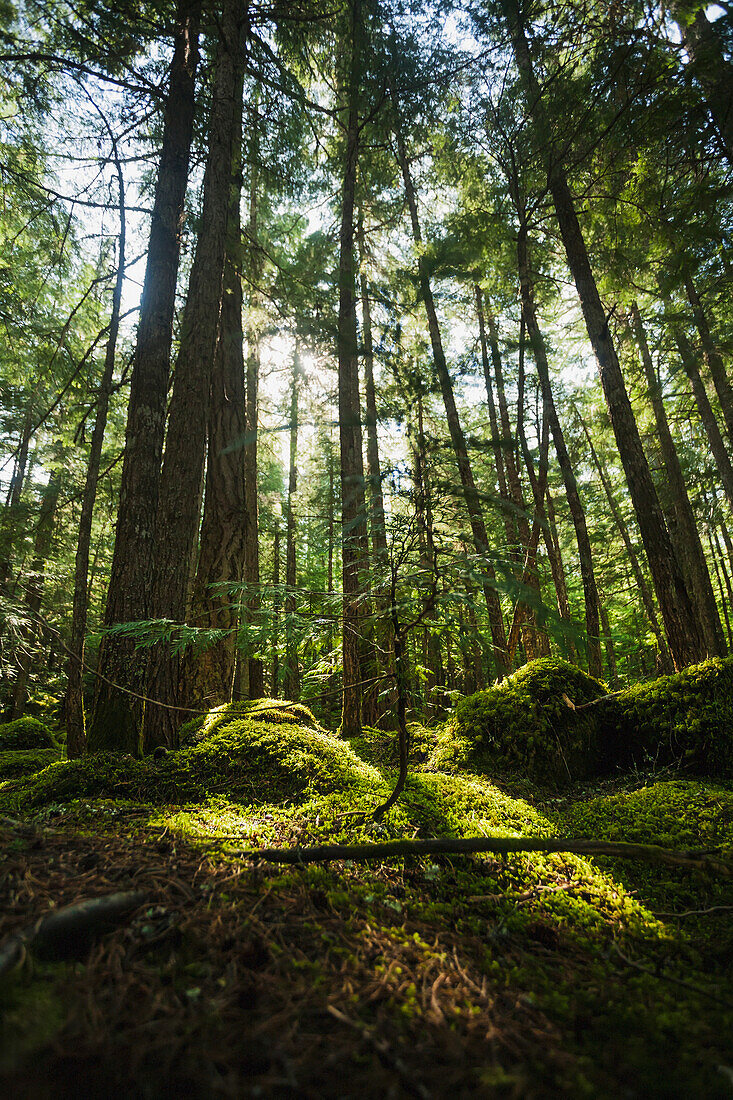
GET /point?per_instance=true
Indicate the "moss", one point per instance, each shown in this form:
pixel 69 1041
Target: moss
pixel 25 733
pixel 381 747
pixel 685 719
pixel 525 723
pixel 257 760
pixel 261 710
pixel 26 762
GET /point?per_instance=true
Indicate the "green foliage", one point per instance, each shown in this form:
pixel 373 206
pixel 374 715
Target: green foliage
pixel 25 733
pixel 685 719
pixel 527 723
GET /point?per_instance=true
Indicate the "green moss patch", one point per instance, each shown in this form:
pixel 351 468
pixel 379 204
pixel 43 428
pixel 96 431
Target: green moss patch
pixel 685 719
pixel 25 733
pixel 255 760
pixel 276 711
pixel 528 723
pixel 26 762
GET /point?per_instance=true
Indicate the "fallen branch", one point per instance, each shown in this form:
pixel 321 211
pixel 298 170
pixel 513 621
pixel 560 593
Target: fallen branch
pixel 394 849
pixel 68 930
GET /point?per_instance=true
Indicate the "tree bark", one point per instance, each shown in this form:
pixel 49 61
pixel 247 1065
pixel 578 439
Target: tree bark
pixel 633 558
pixel 209 675
pixel 684 531
pixel 577 511
pixel 554 554
pixel 353 504
pixel 275 672
pixel 117 715
pixel 685 642
pixel 255 667
pixel 181 478
pixel 35 585
pixel 713 358
pixel 292 675
pixel 709 421
pixel 470 493
pixel 497 440
pixel 74 708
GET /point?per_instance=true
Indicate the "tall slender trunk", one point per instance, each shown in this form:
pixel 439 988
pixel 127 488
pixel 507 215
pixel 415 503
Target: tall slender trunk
pixel 685 642
pixel 470 493
pixel 208 675
pixel 9 523
pixel 117 715
pixel 608 645
pixel 177 524
pixel 431 658
pixel 713 358
pixel 35 585
pixel 577 511
pixel 353 504
pixel 684 531
pixel 255 667
pixel 74 707
pixel 275 672
pixel 726 599
pixel 554 555
pixel 497 440
pixel 292 675
pixel 631 555
pixel 708 419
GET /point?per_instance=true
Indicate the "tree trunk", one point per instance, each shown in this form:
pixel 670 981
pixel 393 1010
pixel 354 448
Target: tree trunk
pixel 34 586
pixel 255 667
pixel 713 358
pixel 608 644
pixel 276 612
pixel 12 503
pixel 685 642
pixel 554 554
pixel 585 554
pixel 183 465
pixel 353 505
pixel 74 707
pixel 705 409
pixel 684 531
pixel 497 440
pixel 292 675
pixel 470 493
pixel 117 715
pixel 632 557
pixel 431 657
pixel 209 675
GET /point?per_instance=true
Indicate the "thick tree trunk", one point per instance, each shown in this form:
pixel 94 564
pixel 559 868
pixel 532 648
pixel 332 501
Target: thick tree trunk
pixel 74 706
pixel 255 667
pixel 683 530
pixel 117 715
pixel 585 553
pixel 209 675
pixel 685 642
pixel 181 478
pixel 34 586
pixel 353 504
pixel 470 493
pixel 292 675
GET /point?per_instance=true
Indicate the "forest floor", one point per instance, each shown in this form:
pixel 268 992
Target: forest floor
pixel 527 976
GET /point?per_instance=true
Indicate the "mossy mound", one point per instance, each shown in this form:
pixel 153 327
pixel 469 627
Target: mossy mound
pixel 253 760
pixel 528 723
pixel 25 733
pixel 685 719
pixel 26 762
pixel 381 747
pixel 278 711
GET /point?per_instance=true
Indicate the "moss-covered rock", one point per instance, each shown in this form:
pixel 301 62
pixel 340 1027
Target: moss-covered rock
pixel 685 719
pixel 25 733
pixel 257 760
pixel 26 762
pixel 278 711
pixel 528 723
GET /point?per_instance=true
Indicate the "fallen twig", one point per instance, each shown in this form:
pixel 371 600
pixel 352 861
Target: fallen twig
pixel 394 849
pixel 62 932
